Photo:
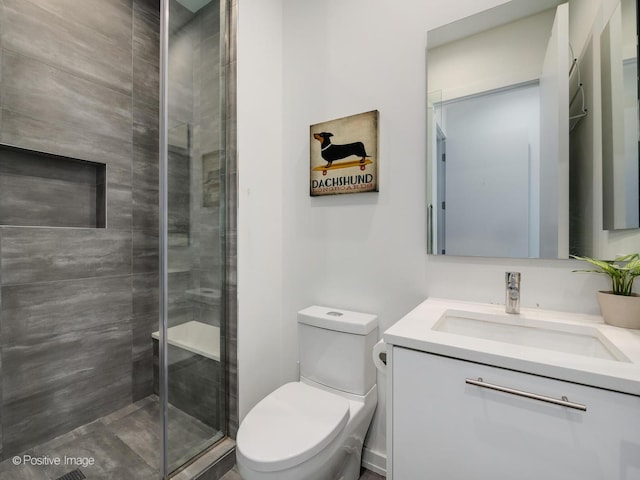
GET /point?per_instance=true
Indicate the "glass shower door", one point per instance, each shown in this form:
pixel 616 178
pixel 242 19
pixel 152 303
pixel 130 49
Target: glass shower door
pixel 194 243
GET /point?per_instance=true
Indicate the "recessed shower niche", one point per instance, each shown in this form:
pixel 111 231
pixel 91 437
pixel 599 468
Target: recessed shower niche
pixel 46 190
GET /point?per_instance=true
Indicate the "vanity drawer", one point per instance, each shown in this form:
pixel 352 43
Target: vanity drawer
pixel 445 428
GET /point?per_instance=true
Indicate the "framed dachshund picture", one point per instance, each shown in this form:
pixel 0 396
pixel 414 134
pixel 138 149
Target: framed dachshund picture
pixel 344 155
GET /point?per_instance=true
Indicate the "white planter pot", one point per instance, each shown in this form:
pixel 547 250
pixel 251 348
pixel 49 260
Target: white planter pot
pixel 620 310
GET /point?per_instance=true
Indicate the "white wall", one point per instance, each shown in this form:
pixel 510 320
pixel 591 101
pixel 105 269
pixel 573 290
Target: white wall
pixel 500 57
pixel 260 151
pixel 301 63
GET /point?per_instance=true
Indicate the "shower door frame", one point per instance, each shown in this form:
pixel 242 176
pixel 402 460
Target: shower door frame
pixel 163 365
pixel 228 310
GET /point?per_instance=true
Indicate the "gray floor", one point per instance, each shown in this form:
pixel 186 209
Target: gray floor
pixel 364 475
pixel 123 445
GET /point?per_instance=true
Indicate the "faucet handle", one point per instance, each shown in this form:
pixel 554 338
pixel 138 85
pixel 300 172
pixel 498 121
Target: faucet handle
pixel 512 278
pixel 512 293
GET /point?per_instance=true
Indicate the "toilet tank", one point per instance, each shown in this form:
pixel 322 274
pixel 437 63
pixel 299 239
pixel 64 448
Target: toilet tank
pixel 336 348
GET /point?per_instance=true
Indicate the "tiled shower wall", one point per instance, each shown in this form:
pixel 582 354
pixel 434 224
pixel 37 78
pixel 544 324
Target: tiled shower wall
pixel 196 189
pixel 231 222
pixel 195 118
pixel 78 305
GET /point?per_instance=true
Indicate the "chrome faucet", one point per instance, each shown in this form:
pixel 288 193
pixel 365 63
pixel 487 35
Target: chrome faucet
pixel 512 297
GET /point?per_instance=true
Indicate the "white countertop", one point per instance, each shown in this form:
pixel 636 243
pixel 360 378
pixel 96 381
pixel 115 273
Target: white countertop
pixel 415 331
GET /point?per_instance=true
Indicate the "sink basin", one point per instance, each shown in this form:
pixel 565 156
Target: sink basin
pixel 514 329
pixel 570 346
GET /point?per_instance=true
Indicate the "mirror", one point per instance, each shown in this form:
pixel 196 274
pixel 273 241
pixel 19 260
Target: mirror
pixel 498 92
pixel 512 176
pixel 620 161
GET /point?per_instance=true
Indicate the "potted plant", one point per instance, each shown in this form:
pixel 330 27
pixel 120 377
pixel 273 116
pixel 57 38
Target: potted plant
pixel 619 306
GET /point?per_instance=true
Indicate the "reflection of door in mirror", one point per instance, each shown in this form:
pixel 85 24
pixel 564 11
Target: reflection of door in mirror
pixel 487 193
pixel 505 193
pixel 620 160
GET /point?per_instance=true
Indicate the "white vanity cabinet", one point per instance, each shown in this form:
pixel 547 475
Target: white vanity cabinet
pixel 446 429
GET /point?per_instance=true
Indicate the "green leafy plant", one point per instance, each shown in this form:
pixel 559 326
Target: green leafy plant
pixel 622 270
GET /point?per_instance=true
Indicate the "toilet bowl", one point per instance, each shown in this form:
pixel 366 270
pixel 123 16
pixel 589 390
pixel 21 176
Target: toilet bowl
pixel 314 429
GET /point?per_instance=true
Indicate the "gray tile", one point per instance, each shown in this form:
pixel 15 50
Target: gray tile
pixel 145 209
pixel 145 294
pixel 113 458
pixel 210 20
pixel 25 162
pixel 212 131
pixel 194 387
pixel 31 255
pixel 1 429
pixel 145 124
pixel 146 86
pixel 179 16
pixel 146 165
pixel 179 213
pixel 50 367
pixel 179 168
pixel 110 19
pixel 146 251
pixel 180 70
pixel 40 189
pixel 9 471
pixel 72 435
pixel 180 258
pixel 178 284
pixel 187 437
pixel 142 354
pixel 31 30
pixel 26 200
pixel 142 377
pixel 119 206
pixel 140 431
pixel 210 64
pixel 212 179
pixel 146 31
pixel 124 411
pixel 180 138
pixel 142 342
pixel 179 196
pixel 58 138
pixel 36 312
pixel 39 90
pixel 66 381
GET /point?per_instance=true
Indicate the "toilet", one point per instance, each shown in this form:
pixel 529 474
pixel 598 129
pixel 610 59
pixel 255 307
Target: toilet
pixel 314 429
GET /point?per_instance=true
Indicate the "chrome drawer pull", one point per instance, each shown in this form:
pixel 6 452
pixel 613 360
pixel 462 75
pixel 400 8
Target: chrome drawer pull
pixel 564 401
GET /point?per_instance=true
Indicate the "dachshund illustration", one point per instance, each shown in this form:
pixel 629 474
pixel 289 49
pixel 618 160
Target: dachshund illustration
pixel 331 152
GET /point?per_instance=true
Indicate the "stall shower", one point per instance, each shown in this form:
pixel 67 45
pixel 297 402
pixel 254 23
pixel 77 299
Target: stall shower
pixel 117 228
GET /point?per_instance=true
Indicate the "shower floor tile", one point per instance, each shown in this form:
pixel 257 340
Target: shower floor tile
pixel 124 444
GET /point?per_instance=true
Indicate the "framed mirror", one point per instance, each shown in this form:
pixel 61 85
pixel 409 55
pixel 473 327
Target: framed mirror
pixel 498 132
pixel 620 159
pixel 532 145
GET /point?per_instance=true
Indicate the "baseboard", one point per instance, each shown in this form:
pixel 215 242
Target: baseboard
pixel 374 461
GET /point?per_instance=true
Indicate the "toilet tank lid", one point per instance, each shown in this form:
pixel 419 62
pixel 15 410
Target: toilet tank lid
pixel 338 319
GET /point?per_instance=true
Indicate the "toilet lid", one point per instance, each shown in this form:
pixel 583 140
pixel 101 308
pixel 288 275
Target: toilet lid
pixel 290 426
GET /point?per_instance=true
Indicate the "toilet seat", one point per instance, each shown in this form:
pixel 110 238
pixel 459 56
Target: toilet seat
pixel 289 426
